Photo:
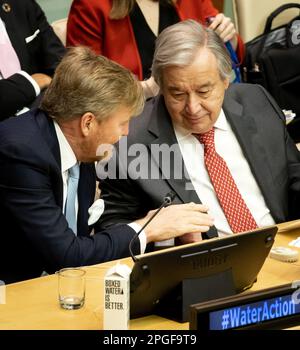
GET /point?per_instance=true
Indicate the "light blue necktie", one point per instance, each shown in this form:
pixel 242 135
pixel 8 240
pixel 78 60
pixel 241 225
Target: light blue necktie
pixel 70 211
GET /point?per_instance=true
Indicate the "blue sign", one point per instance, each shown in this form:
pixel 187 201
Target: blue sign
pixel 254 313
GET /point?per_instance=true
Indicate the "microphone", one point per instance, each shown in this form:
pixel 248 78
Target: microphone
pixel 168 199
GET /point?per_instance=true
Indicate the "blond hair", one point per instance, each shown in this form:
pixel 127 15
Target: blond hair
pixel 86 82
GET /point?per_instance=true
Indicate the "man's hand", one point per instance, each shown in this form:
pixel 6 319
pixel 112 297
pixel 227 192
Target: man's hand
pixel 43 80
pixel 224 27
pixel 177 220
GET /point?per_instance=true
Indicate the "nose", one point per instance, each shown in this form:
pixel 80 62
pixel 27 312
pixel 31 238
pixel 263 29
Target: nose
pixel 193 105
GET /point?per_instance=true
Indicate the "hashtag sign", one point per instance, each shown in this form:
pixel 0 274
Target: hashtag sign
pixel 225 319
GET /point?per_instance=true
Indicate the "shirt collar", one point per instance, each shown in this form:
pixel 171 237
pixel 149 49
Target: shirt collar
pixel 67 156
pixel 221 123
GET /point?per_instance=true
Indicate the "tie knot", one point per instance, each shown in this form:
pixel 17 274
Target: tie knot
pixel 74 171
pixel 207 139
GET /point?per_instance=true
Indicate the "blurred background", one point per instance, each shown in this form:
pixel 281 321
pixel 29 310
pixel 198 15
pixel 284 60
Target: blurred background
pixel 56 9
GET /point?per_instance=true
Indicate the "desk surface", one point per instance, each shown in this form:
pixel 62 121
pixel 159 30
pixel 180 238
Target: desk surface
pixel 33 305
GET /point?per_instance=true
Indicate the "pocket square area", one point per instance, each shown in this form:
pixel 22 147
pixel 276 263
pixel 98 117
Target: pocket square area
pixel 95 211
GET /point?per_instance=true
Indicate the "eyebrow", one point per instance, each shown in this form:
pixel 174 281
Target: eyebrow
pixel 177 88
pixel 174 88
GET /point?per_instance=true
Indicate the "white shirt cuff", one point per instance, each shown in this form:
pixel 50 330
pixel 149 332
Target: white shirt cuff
pixel 32 81
pixel 142 236
pixel 166 243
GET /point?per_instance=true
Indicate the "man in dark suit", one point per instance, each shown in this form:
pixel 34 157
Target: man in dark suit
pixel 255 182
pixel 37 50
pixel 88 104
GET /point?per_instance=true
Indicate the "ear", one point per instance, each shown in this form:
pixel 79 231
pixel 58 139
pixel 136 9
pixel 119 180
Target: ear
pixel 226 83
pixel 87 121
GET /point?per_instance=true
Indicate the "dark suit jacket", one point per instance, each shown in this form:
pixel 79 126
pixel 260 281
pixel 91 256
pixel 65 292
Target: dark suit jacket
pixel 40 55
pixel 259 127
pixel 34 234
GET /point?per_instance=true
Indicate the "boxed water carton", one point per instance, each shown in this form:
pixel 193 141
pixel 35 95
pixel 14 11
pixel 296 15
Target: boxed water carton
pixel 116 297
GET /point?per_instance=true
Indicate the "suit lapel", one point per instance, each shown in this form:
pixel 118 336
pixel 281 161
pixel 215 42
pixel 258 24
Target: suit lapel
pixel 246 132
pixel 161 128
pixel 47 128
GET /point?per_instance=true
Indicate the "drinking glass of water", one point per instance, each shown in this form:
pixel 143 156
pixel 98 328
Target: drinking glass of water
pixel 71 288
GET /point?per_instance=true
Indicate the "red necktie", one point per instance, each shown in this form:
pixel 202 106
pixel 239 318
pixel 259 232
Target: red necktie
pixel 234 207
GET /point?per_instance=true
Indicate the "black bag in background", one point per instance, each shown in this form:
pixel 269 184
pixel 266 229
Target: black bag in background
pixel 273 60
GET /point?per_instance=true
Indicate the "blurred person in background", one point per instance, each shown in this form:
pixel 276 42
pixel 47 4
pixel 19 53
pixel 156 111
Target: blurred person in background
pixel 29 54
pixel 125 30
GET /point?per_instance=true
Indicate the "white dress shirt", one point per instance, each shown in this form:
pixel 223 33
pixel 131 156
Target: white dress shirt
pixel 68 160
pixel 229 149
